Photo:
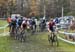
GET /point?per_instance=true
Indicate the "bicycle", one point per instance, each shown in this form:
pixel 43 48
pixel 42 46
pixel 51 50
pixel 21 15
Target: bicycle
pixel 12 31
pixel 22 35
pixel 52 38
pixel 17 36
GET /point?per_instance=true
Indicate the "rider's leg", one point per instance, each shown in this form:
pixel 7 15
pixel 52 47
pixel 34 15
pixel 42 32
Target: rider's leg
pixel 36 27
pixel 9 27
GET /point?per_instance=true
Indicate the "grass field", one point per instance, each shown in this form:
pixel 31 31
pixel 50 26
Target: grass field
pixel 34 43
pixel 2 23
pixel 4 44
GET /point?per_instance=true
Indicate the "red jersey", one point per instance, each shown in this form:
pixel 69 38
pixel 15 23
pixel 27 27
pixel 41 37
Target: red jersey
pixel 51 24
pixel 24 26
pixel 8 19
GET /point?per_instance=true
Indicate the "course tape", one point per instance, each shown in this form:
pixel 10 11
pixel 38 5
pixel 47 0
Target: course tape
pixel 4 26
pixel 70 42
pixel 67 41
pixel 66 33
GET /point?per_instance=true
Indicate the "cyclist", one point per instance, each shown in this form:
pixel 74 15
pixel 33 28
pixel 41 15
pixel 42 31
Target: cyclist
pixel 23 30
pixel 14 23
pixel 24 24
pixel 13 26
pixel 9 22
pixel 52 37
pixel 51 26
pixel 20 21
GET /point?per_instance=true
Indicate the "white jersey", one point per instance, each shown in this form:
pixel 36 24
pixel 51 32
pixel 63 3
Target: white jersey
pixel 23 22
pixel 28 22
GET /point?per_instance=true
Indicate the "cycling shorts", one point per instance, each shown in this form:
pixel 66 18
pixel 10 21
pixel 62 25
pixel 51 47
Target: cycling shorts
pixel 52 29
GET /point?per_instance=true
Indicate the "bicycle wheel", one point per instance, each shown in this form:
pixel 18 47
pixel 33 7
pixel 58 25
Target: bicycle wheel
pixel 17 34
pixel 23 36
pixel 50 39
pixel 12 32
pixel 53 39
pixel 56 40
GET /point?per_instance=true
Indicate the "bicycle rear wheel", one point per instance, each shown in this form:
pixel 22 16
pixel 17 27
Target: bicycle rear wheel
pixel 23 36
pixel 56 40
pixel 50 39
pixel 17 34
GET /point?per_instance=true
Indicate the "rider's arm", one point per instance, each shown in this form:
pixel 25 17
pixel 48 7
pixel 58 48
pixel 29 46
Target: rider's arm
pixel 48 28
pixel 22 25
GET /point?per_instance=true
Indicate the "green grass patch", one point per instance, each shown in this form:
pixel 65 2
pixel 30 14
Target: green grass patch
pixel 4 30
pixel 2 23
pixel 5 43
pixel 1 31
pixel 67 47
pixel 34 42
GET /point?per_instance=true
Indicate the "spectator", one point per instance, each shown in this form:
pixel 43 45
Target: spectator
pixel 56 20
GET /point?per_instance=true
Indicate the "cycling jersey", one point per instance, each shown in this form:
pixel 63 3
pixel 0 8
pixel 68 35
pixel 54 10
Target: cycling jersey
pixel 8 19
pixel 17 20
pixel 20 22
pixel 51 24
pixel 13 23
pixel 24 24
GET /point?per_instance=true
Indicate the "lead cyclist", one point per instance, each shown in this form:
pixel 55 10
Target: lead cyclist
pixel 51 26
pixel 52 29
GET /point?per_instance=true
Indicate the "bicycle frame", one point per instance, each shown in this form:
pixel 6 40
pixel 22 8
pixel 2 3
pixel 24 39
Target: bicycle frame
pixel 53 38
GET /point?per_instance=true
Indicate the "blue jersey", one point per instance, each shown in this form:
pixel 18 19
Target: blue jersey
pixel 20 22
pixel 17 22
